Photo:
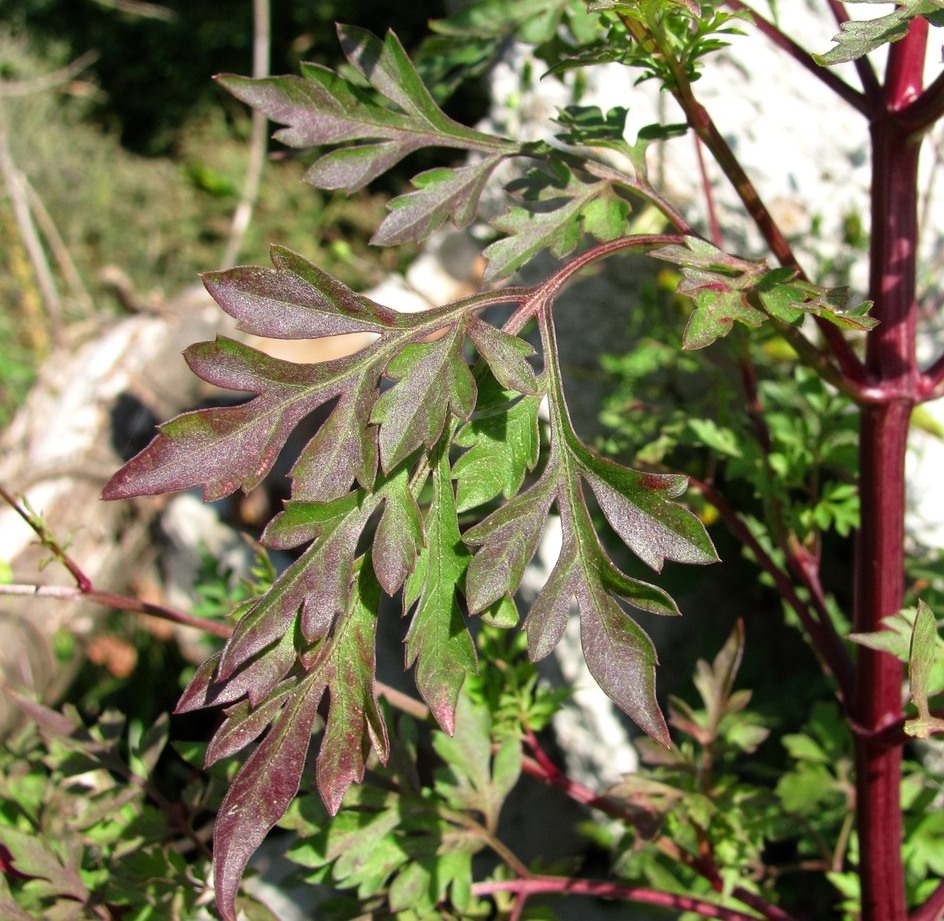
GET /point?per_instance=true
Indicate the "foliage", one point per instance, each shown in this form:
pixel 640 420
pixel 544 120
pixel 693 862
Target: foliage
pixel 448 442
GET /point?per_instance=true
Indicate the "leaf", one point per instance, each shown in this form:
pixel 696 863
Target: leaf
pixel 504 444
pixel 295 300
pixel 636 506
pixel 564 209
pixel 440 194
pixel 321 107
pixel 922 653
pixel 234 446
pixel 506 355
pixel 413 411
pixel 400 534
pixel 261 792
pixel 438 640
pixel 622 660
pixel 34 857
pixel 507 540
pixel 354 718
pixel 859 37
pixel 785 298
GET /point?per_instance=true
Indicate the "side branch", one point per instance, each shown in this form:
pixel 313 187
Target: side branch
pixel 566 886
pixel 815 619
pixel 827 77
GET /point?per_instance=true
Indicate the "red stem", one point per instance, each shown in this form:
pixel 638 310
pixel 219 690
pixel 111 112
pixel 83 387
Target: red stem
pixel 563 885
pixel 879 578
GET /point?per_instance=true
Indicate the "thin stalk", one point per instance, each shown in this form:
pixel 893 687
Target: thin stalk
pixel 879 565
pixel 703 125
pixel 803 57
pixel 563 885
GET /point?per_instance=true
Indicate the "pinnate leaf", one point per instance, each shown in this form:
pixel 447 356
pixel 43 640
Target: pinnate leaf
pixel 321 107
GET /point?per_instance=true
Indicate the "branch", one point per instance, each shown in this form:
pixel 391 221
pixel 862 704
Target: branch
pixel 605 889
pixel 920 115
pixel 826 641
pixel 829 78
pixel 19 199
pixel 933 907
pixel 48 81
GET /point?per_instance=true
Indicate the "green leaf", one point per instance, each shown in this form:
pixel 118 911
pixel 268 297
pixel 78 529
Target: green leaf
pixel 858 37
pixel 504 444
pixel 438 640
pixel 719 285
pixel 564 209
pixel 439 194
pixel 922 653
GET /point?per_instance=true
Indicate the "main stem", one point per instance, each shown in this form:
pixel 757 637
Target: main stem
pixel 879 580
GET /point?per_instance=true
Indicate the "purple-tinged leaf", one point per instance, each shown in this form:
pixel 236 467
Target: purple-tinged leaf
pixel 388 69
pixel 622 660
pixel 400 533
pixel 641 595
pixel 295 300
pixel 352 168
pixel 507 357
pixel 344 449
pixel 507 541
pixel 637 507
pixel 354 718
pixel 504 444
pixel 438 640
pixel 246 721
pixel 317 583
pixel 256 679
pixel 431 378
pixel 319 108
pixel 261 792
pixel 547 619
pixel 438 194
pixel 230 447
